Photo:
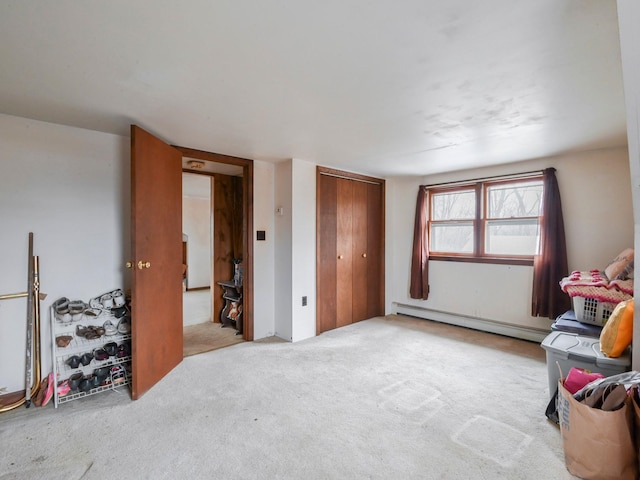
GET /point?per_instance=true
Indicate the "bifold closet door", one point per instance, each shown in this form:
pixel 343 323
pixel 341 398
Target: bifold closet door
pixel 350 251
pixel 375 250
pixel 327 253
pixel 344 268
pixel 360 258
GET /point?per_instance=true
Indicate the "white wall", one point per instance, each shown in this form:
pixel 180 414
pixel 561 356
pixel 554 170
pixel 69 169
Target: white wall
pixel 304 249
pixel 196 224
pixel 295 250
pixel 70 188
pixel 597 208
pixel 264 250
pixel 628 20
pixel 283 248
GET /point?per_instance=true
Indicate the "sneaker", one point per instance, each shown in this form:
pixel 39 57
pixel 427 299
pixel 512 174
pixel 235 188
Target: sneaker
pixel 109 328
pixel 118 375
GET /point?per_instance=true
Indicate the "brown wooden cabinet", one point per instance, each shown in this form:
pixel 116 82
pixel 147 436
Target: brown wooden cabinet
pixel 350 253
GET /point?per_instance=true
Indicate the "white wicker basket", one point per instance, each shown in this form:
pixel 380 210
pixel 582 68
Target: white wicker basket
pixel 592 311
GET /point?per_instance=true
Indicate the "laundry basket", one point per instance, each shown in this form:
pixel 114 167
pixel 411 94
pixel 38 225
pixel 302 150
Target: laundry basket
pixel 591 310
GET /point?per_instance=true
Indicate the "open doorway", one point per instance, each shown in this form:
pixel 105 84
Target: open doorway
pixel 214 235
pixel 197 248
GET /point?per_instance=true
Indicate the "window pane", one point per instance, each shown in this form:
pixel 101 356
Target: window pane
pixel 451 237
pixel 511 237
pixel 515 199
pixel 460 205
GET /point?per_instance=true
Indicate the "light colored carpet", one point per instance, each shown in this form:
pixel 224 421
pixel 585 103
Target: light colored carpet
pixel 205 337
pixel 387 398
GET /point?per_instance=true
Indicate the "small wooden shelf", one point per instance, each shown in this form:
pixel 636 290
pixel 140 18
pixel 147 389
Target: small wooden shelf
pixel 231 315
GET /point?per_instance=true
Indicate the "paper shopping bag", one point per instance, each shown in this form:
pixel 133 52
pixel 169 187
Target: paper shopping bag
pixel 597 444
pixel 635 399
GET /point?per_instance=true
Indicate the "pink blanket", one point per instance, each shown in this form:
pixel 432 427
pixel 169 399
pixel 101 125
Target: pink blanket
pixel 594 284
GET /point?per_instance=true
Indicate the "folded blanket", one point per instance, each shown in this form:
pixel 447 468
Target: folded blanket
pixel 594 284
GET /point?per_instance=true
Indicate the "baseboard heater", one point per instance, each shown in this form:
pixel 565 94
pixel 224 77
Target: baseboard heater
pixel 491 326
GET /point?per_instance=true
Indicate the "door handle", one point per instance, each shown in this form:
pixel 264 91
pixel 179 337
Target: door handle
pixel 142 265
pixel 129 264
pixel 364 255
pixel 340 257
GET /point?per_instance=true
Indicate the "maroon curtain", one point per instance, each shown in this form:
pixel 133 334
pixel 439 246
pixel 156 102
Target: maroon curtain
pixel 550 264
pixel 420 259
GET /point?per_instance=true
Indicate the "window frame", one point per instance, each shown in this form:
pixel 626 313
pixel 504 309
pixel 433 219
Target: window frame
pixel 479 222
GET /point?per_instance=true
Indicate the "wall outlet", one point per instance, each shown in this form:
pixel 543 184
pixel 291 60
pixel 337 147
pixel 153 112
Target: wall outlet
pixel 304 301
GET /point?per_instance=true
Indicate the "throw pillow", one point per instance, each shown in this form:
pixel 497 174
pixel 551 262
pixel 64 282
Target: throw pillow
pixel 617 333
pixel 619 266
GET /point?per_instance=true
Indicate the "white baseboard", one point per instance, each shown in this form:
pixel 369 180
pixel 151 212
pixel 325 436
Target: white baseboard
pixel 524 333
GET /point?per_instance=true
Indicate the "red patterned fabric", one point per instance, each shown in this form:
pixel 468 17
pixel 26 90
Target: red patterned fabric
pixel 594 284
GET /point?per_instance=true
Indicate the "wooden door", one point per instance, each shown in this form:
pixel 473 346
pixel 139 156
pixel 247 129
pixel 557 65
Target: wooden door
pixel 326 270
pixel 360 249
pixel 350 249
pixel 156 228
pixel 375 250
pixel 344 247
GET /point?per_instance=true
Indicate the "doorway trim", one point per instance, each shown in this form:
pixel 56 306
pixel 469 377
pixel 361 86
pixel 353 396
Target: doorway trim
pixel 247 224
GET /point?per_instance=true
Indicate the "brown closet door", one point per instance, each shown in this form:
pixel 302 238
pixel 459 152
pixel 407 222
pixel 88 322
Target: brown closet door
pixel 344 241
pixel 326 253
pixel 350 249
pixel 360 249
pixel 375 251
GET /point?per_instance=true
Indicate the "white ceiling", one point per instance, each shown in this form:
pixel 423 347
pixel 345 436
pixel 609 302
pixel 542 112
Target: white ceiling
pixel 376 86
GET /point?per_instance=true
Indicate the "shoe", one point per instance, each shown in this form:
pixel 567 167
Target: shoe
pixel 100 354
pixel 94 381
pixel 124 325
pixel 111 348
pixel 76 306
pixel 124 350
pixel 73 361
pixel 39 397
pixel 64 318
pixel 63 340
pixel 49 393
pixel 61 305
pixel 81 330
pixel 92 312
pixel 63 388
pixel 85 385
pixel 90 333
pixel 86 358
pixel 102 373
pixel 74 381
pixel 109 328
pixel 118 375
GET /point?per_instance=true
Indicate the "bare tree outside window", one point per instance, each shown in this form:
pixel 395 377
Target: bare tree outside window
pixel 513 210
pixel 456 210
pixel 508 222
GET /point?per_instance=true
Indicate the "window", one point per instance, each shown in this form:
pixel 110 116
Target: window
pixel 491 221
